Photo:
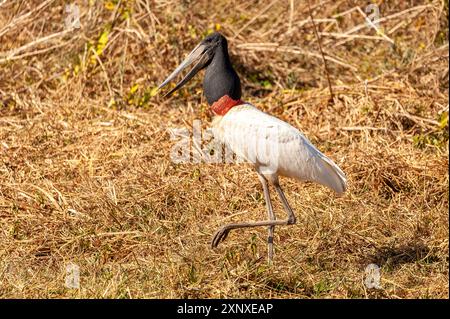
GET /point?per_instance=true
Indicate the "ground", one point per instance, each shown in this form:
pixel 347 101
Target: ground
pixel 87 182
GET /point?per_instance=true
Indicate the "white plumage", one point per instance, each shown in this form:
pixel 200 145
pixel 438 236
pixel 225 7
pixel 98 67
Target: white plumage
pixel 276 148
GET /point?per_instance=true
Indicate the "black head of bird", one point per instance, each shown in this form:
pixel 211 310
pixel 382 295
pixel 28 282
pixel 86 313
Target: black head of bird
pixel 220 77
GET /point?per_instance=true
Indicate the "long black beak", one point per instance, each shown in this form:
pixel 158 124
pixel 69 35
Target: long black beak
pixel 200 56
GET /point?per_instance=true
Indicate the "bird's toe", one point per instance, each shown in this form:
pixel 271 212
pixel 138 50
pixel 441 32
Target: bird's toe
pixel 219 236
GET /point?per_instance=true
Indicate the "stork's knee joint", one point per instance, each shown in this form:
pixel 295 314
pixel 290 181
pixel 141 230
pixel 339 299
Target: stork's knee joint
pixel 291 220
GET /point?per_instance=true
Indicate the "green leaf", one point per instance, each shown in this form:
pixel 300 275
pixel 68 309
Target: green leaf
pixel 443 120
pixel 102 41
pixel 134 88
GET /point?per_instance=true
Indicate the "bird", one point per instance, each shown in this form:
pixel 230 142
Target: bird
pixel 272 146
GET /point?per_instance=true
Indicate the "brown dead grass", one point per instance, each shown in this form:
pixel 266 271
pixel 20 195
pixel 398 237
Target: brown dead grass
pixel 86 177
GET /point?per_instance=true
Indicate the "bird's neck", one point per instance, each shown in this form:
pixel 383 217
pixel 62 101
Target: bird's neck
pixel 224 104
pixel 221 79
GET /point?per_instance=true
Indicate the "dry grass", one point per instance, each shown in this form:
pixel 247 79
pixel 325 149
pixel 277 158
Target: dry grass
pixel 85 173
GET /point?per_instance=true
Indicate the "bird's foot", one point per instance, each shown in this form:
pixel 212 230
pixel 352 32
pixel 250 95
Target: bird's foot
pixel 219 236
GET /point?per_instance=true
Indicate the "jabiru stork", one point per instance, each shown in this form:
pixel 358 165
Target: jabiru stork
pixel 274 147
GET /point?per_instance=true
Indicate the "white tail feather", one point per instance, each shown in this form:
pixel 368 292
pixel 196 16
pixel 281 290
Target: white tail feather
pixel 330 175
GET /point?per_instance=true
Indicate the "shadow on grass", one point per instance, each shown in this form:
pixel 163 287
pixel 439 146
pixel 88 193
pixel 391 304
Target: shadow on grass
pixel 393 257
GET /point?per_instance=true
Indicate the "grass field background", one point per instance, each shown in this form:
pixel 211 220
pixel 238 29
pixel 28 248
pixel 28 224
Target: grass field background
pixel 85 170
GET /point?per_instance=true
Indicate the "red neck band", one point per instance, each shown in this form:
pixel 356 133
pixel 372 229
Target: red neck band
pixel 224 104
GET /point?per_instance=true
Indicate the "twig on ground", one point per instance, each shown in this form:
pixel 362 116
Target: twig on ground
pixel 327 72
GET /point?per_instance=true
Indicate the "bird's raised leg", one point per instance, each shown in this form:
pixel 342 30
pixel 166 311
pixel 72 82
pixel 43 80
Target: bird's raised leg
pixel 287 207
pixel 222 233
pixel 271 216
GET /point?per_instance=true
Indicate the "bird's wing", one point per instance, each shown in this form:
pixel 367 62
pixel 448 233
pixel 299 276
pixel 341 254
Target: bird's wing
pixel 276 147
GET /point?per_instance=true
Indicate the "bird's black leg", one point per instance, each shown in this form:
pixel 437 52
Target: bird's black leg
pixel 271 216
